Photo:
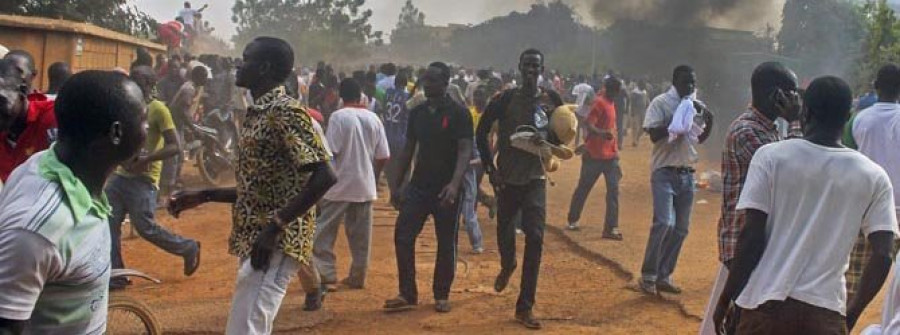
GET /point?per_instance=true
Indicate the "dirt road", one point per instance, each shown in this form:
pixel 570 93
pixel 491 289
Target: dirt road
pixel 584 284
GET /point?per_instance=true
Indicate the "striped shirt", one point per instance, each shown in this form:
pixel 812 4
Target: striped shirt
pixel 54 250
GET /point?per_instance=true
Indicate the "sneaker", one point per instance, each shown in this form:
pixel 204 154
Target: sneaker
pixel 192 260
pixel 648 287
pixel 667 287
pixel 502 279
pixel 573 226
pixel 478 251
pixel 442 306
pixel 528 320
pixel 519 232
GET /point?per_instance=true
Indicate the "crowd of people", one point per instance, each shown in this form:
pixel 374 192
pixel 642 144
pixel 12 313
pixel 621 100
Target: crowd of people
pixel 806 236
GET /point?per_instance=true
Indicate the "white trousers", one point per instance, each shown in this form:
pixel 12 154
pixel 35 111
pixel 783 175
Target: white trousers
pixel 707 327
pixel 258 295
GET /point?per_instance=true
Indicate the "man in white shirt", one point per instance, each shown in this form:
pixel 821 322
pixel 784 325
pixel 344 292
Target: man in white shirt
pixel 359 145
pixel 187 14
pixel 805 201
pixel 875 132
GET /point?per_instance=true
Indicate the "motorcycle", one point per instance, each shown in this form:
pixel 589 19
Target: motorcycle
pixel 213 146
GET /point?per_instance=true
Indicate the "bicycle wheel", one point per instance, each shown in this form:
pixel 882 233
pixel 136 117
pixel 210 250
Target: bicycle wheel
pixel 128 316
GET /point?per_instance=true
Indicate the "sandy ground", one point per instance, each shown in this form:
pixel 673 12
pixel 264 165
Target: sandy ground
pixel 586 284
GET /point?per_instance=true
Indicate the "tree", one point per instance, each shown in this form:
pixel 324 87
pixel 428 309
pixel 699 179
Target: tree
pixel 411 39
pixel 824 35
pixel 882 41
pixel 410 17
pixel 333 30
pixel 111 14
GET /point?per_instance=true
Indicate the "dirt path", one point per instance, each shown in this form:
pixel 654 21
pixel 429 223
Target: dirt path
pixel 584 285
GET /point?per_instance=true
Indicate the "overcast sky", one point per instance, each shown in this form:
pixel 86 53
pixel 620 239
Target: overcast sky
pixel 437 12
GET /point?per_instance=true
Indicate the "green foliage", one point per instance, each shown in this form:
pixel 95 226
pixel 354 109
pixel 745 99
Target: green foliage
pixel 111 14
pixel 881 41
pixel 333 30
pixel 824 35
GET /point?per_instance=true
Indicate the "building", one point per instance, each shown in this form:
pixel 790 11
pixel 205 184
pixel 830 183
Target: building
pixel 84 46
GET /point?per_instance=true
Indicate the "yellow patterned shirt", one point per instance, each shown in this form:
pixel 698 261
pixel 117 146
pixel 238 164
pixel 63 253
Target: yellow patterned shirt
pixel 277 144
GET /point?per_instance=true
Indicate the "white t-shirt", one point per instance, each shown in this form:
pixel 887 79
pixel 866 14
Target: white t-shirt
pixel 817 199
pixel 877 134
pixel 583 94
pixel 356 137
pixel 187 14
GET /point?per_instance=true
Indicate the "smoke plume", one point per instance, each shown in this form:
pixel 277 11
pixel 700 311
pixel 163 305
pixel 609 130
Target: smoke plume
pixel 751 15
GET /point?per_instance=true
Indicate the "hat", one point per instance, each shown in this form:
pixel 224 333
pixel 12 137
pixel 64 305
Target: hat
pixel 564 124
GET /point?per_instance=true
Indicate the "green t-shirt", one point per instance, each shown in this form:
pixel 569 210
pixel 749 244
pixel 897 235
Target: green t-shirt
pixel 847 138
pixel 159 120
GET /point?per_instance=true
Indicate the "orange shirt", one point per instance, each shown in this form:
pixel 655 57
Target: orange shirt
pixel 603 116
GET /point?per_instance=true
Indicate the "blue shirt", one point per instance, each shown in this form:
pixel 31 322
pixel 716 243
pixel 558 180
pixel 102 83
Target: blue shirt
pixel 395 117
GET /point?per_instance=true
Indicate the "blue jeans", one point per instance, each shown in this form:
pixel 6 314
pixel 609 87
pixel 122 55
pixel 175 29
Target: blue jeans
pixel 673 198
pixel 136 197
pixel 591 169
pixel 470 216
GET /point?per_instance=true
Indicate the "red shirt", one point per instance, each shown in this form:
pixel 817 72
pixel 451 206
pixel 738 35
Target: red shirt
pixel 40 131
pixel 603 116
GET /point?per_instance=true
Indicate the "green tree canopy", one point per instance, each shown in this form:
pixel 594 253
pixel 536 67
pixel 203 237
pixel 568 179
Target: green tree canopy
pixel 824 35
pixel 332 30
pixel 110 14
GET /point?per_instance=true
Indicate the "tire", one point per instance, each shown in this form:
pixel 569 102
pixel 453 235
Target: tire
pixel 210 177
pixel 139 309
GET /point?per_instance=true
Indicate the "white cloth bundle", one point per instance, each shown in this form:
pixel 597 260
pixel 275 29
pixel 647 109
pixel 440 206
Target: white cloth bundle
pixel 683 121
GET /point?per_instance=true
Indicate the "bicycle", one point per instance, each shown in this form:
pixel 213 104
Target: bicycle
pixel 127 315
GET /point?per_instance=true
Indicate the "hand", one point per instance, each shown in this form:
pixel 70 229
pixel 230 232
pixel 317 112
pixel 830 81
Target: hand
pixel 608 135
pixel 852 318
pixel 264 246
pixel 719 316
pixel 397 197
pixel 449 195
pixel 787 105
pixel 183 200
pixel 138 165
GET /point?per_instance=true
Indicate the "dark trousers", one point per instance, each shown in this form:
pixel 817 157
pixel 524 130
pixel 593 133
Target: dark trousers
pixel 531 200
pixel 136 197
pixel 417 205
pixel 790 317
pixel 591 169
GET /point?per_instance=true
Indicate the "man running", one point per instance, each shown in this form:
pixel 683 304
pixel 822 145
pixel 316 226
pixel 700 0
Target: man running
pixel 282 172
pixel 600 157
pixel 54 235
pixel 132 189
pixel 519 178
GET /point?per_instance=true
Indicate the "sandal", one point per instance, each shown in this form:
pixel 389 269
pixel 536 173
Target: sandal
pixel 613 234
pixel 398 304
